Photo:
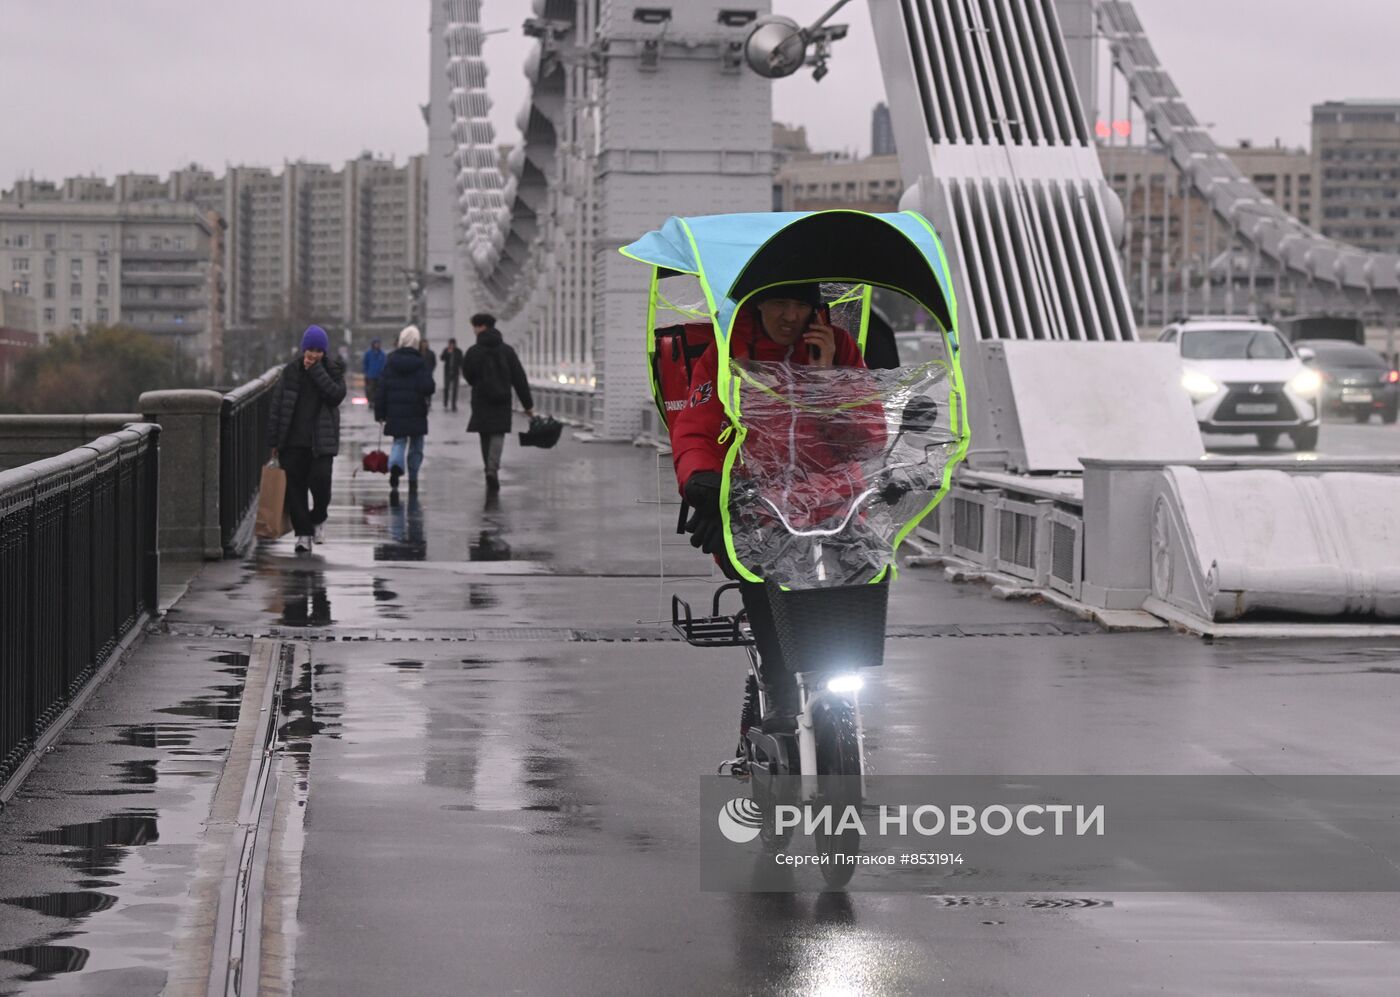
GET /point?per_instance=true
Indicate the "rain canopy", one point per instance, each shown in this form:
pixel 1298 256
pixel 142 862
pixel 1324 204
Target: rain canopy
pixel 831 467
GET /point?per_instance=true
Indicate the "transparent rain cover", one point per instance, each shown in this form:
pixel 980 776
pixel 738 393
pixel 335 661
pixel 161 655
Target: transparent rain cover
pixel 834 463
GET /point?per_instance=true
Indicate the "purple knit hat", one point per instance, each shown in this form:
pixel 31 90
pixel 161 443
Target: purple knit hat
pixel 314 338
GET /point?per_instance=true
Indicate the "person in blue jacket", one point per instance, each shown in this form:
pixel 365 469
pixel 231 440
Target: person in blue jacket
pixel 372 366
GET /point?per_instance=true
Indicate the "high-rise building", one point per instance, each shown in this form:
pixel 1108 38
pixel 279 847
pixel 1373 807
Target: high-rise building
pixel 338 246
pixel 881 131
pixel 1356 151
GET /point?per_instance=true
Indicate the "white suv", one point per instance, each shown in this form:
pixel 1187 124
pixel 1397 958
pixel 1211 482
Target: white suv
pixel 1244 377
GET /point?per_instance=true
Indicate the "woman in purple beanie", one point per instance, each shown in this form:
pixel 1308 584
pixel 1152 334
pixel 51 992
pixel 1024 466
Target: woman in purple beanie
pixel 305 433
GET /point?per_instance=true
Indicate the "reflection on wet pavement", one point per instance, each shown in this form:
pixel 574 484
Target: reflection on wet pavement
pixel 155 735
pixel 304 599
pixel 95 900
pixel 47 961
pixel 77 903
pixel 222 707
pixel 489 545
pixel 406 537
pixel 96 849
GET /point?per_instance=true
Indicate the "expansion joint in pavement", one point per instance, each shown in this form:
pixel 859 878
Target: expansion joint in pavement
pixel 626 635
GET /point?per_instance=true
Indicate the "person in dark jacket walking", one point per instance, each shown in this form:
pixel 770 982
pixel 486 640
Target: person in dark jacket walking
pixel 451 374
pixel 305 433
pixel 405 395
pixel 429 357
pixel 492 369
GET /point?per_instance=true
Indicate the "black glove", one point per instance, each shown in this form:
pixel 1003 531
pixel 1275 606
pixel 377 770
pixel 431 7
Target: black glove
pixel 893 491
pixel 908 480
pixel 705 526
pixel 702 492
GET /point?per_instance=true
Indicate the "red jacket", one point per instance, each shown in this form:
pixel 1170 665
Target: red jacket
pixel 823 442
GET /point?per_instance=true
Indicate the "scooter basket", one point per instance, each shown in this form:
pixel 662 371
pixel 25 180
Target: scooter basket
pixel 831 628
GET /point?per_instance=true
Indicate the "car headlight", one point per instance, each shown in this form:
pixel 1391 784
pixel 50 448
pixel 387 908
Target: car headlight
pixel 1306 382
pixel 1198 385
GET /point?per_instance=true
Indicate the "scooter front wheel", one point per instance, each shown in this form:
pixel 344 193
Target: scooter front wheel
pixel 837 742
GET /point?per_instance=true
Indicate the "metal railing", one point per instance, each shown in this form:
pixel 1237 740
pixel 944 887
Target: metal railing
pixel 79 569
pixel 243 449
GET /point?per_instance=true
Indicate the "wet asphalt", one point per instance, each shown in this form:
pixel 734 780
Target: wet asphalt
pixel 500 777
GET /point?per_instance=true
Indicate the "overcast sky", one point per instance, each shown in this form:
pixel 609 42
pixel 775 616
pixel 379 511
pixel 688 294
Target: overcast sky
pixel 108 86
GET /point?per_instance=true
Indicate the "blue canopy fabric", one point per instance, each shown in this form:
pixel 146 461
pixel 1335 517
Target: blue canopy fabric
pixel 718 248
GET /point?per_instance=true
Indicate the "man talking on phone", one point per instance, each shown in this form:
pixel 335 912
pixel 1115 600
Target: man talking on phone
pixel 783 324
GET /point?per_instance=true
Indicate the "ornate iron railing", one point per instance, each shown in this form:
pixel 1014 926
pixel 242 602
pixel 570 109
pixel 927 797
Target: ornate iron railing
pixel 243 449
pixel 79 569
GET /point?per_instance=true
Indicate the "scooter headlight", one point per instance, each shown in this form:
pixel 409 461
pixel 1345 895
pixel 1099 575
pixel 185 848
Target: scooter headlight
pixel 845 683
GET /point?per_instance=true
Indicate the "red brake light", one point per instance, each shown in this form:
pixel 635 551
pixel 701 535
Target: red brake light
pixel 1393 376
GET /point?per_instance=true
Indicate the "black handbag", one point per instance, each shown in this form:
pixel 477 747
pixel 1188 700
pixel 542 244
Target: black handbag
pixel 544 432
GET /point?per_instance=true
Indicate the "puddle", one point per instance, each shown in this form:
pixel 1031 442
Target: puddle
pixel 305 602
pixel 382 593
pixel 96 847
pixel 222 708
pixel 300 722
pixel 236 662
pixel 489 546
pixel 155 735
pixel 407 540
pixel 48 960
pixel 72 904
pixel 141 772
pixel 400 552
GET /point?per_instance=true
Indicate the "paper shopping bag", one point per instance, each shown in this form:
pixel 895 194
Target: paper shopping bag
pixel 273 519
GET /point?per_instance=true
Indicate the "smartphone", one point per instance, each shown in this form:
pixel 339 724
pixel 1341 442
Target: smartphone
pixel 823 312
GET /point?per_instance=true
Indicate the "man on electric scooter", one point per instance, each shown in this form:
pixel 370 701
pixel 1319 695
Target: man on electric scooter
pixel 786 324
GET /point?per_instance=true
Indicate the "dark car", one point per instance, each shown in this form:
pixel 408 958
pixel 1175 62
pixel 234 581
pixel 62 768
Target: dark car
pixel 1356 380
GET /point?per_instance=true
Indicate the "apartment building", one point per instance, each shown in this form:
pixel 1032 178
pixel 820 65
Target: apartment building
pixel 817 182
pixel 87 257
pixel 18 333
pixel 1356 152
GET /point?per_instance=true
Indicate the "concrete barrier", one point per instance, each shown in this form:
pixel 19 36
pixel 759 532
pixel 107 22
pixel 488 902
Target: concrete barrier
pixel 28 438
pixel 189 482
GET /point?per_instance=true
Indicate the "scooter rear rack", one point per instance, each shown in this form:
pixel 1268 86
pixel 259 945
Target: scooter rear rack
pixel 715 630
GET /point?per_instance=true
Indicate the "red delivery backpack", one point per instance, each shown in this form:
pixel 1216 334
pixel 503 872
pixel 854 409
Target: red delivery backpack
pixel 678 347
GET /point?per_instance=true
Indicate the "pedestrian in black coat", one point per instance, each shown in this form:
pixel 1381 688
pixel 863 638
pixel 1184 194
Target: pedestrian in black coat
pixel 493 370
pixel 304 429
pixel 402 403
pixel 451 374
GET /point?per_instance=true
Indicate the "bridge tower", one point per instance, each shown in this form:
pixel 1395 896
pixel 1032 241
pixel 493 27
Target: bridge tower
pixel 996 151
pixel 637 111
